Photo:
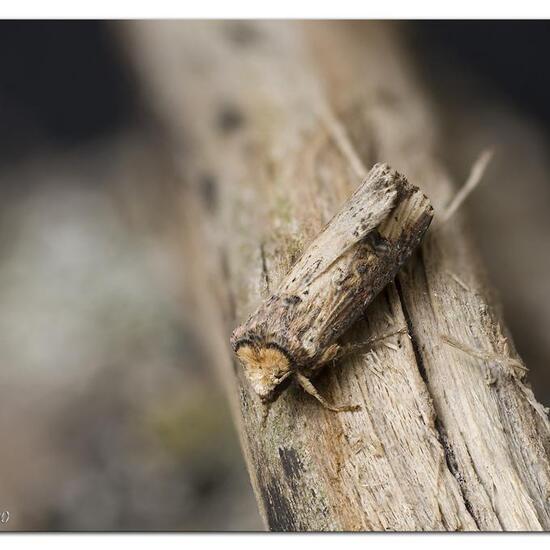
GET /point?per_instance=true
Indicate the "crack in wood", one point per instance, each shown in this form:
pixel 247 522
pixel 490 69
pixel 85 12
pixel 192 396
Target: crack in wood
pixel 265 272
pixel 441 433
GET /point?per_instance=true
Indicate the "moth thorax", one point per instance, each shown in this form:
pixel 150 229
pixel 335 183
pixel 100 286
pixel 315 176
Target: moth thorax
pixel 265 366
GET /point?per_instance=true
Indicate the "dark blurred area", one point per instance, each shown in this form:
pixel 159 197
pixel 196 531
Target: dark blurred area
pixel 63 83
pixel 507 56
pixel 66 82
pixel 110 416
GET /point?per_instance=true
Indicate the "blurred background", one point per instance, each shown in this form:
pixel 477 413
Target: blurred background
pixel 110 415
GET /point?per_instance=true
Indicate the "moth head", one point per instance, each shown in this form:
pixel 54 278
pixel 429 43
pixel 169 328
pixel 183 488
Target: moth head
pixel 266 367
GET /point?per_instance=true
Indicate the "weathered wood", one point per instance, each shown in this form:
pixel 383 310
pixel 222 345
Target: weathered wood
pixel 275 122
pixel 295 332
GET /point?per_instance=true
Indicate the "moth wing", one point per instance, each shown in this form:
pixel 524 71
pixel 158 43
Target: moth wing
pixel 365 210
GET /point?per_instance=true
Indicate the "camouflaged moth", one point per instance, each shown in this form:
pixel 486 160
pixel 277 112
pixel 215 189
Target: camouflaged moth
pixel 295 332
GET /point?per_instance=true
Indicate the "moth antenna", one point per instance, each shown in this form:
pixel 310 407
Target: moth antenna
pixel 308 387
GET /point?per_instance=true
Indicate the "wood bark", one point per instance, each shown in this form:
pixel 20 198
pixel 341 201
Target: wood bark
pixel 272 124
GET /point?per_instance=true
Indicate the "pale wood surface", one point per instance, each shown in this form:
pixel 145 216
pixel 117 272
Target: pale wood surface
pixel 271 125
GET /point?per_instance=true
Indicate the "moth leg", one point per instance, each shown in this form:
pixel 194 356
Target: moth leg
pixel 308 387
pixel 348 349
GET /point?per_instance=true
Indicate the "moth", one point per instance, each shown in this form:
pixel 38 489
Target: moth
pixel 295 332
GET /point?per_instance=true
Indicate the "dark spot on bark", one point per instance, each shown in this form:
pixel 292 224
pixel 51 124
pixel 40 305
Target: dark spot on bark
pixel 293 300
pixel 264 267
pixel 280 516
pixel 242 33
pixel 292 465
pixel 232 306
pixel 224 266
pixel 230 119
pixel 208 188
pixel 388 98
